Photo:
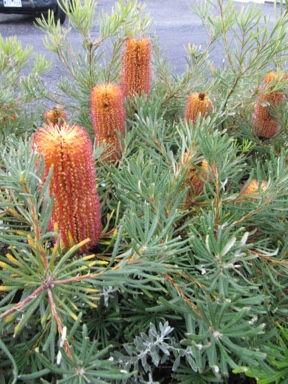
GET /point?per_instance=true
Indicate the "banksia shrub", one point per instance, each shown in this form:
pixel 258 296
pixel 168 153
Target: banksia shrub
pixel 108 118
pixel 136 71
pixel 264 122
pixel 197 103
pixel 76 209
pixel 56 115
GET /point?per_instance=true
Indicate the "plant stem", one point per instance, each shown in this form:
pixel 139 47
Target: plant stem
pixel 21 304
pixel 58 322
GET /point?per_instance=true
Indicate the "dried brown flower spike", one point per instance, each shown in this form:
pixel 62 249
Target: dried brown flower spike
pixel 264 122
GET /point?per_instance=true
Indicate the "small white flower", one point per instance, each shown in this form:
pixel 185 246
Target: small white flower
pixel 63 337
pixel 217 335
pixel 216 368
pixel 59 357
pixel 253 320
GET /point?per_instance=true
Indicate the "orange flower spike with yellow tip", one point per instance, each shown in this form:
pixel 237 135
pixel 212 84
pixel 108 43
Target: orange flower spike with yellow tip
pixel 108 118
pixel 197 103
pixel 76 210
pixel 264 123
pixel 56 115
pixel 136 71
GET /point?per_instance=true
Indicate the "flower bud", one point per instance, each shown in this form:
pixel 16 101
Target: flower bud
pixel 56 115
pixel 197 103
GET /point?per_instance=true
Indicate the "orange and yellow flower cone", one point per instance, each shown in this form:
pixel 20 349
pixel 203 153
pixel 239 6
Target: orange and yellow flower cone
pixel 136 71
pixel 76 210
pixel 197 103
pixel 108 118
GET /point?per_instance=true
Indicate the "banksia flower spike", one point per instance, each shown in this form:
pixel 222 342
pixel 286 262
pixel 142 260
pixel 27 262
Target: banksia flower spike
pixel 197 103
pixel 253 188
pixel 76 209
pixel 195 179
pixel 108 118
pixel 264 122
pixel 136 71
pixel 56 115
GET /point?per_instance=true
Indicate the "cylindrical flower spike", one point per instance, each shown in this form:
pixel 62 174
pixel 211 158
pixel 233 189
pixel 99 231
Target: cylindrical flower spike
pixel 197 103
pixel 76 210
pixel 136 71
pixel 195 179
pixel 56 115
pixel 108 118
pixel 253 188
pixel 264 122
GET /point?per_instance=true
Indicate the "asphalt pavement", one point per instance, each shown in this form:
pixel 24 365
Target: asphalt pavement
pixel 173 22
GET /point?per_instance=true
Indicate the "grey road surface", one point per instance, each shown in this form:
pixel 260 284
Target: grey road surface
pixel 173 22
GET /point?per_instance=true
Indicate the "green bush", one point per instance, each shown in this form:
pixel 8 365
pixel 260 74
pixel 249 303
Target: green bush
pixel 182 287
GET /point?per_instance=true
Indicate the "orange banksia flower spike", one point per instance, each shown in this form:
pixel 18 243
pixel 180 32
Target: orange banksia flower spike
pixel 264 122
pixel 108 118
pixel 197 103
pixel 195 179
pixel 253 187
pixel 56 115
pixel 76 210
pixel 136 70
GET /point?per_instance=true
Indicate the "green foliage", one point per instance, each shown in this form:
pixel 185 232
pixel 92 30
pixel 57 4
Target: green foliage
pixel 183 287
pixel 278 371
pixel 22 85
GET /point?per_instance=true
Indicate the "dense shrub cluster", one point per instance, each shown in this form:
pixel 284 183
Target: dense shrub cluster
pixel 184 176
